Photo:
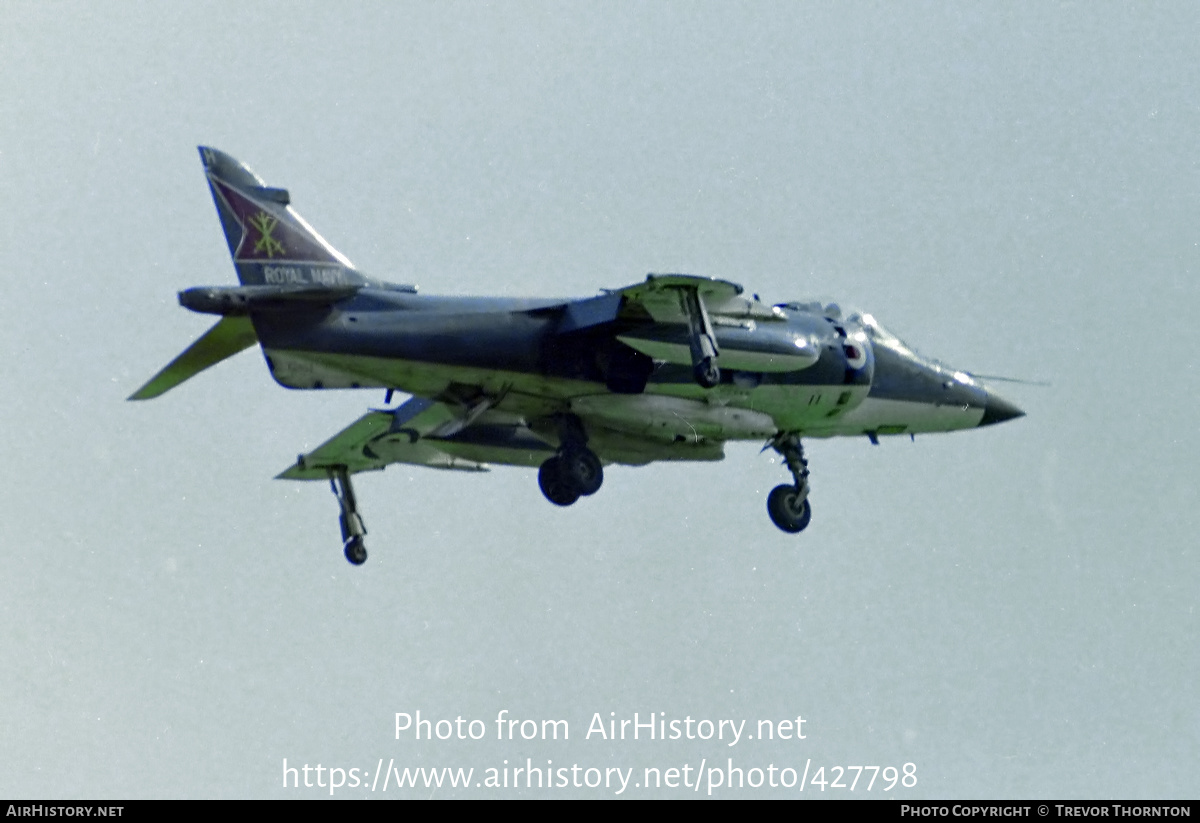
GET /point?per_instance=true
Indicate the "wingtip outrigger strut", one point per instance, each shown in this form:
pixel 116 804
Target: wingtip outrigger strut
pixel 351 522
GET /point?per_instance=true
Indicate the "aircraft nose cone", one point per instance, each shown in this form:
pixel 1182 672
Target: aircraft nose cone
pixel 997 410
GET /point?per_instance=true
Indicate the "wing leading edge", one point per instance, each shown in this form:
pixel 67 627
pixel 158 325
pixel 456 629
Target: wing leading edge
pixel 658 296
pixel 422 432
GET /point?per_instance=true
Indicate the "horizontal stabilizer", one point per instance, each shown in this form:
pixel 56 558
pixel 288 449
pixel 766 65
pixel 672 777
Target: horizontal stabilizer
pixel 241 300
pixel 228 337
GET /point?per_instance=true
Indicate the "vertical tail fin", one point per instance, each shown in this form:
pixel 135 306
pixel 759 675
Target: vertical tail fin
pixel 269 242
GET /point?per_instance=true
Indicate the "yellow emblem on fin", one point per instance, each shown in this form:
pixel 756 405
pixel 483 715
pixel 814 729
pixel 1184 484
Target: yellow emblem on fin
pixel 267 244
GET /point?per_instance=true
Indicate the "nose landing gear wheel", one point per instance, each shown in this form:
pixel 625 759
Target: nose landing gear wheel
pixel 788 504
pixel 788 511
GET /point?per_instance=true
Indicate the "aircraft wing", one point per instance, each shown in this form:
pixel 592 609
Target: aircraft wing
pixel 660 300
pixel 658 296
pixel 422 432
pixel 688 320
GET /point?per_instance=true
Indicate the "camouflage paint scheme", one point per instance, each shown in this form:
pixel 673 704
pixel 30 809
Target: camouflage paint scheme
pixel 667 369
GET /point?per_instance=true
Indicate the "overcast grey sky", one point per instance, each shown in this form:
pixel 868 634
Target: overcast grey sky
pixel 1010 187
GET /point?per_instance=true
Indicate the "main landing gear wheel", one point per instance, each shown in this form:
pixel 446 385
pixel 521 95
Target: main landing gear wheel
pixel 788 511
pixel 558 488
pixel 575 471
pixel 356 551
pixel 582 469
pixel 788 504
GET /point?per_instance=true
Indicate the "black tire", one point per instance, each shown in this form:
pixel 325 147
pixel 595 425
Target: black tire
pixel 786 513
pixel 356 551
pixel 582 469
pixel 555 485
pixel 707 373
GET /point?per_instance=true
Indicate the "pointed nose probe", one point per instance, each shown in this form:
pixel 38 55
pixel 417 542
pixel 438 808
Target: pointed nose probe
pixel 997 410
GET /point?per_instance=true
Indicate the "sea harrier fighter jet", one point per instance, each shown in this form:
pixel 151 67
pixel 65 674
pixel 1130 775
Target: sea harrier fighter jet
pixel 666 369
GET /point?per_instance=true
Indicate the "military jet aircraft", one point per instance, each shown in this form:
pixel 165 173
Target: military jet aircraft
pixel 670 368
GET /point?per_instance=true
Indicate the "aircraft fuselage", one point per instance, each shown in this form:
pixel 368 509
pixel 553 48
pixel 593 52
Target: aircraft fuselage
pixel 670 368
pixel 424 345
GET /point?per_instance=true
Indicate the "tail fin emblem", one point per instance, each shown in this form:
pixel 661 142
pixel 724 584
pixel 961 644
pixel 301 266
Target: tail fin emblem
pixel 265 224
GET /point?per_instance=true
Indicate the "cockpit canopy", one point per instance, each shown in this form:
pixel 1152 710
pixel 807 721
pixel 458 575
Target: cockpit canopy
pixel 853 318
pixel 850 316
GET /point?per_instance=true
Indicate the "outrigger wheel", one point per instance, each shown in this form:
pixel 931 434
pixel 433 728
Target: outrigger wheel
pixel 788 504
pixel 702 341
pixel 707 373
pixel 356 551
pixel 353 529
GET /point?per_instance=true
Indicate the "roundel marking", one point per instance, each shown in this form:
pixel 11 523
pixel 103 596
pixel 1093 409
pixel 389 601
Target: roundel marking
pixel 856 355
